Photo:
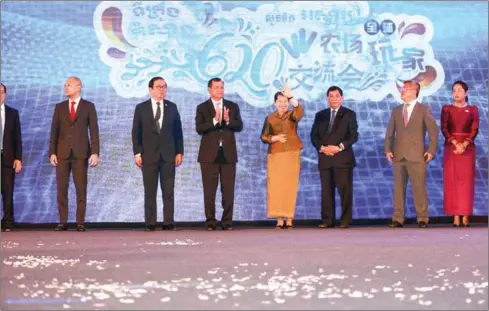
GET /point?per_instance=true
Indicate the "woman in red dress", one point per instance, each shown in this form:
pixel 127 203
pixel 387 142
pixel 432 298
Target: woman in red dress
pixel 459 125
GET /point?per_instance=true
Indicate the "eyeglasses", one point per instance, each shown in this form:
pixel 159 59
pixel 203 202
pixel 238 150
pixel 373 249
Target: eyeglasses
pixel 160 87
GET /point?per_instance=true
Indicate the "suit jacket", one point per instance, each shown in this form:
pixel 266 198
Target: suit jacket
pixel 213 134
pixel 407 142
pixel 12 137
pixel 344 131
pixel 67 136
pixel 152 144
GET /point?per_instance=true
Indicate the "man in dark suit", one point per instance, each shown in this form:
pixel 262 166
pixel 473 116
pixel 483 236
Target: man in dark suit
pixel 333 133
pixel 70 149
pixel 404 147
pixel 217 119
pixel 11 145
pixel 157 141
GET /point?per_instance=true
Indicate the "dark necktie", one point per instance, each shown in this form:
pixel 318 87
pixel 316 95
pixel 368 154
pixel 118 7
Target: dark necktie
pixel 72 112
pixel 331 121
pixel 158 116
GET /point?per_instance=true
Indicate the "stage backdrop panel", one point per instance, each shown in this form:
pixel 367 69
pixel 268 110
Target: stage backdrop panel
pixel 366 48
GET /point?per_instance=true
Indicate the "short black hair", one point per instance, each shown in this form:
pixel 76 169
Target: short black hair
pixel 209 84
pixel 334 88
pixel 275 97
pixel 153 80
pixel 4 88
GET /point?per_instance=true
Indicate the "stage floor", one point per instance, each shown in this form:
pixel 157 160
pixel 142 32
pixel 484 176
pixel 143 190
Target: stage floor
pixel 379 268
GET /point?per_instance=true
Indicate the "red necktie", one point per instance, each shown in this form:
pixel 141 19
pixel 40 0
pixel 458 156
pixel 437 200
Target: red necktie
pixel 72 111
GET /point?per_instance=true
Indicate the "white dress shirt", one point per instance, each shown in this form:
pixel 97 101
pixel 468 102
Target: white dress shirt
pixel 155 107
pixel 215 108
pixel 77 101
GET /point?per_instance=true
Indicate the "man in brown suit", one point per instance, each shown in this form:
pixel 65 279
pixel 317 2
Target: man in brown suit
pixel 404 146
pixel 216 120
pixel 70 149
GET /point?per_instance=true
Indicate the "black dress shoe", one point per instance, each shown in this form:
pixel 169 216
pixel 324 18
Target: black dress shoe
pixel 80 228
pixel 7 229
pixel 456 225
pixel 326 226
pixel 344 226
pixel 395 224
pixel 422 224
pixel 168 228
pixel 149 228
pixel 61 227
pixel 211 227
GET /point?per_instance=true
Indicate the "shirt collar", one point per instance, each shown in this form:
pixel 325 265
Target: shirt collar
pixel 2 107
pixel 214 102
pixel 339 107
pixel 154 101
pixel 77 101
pixel 412 103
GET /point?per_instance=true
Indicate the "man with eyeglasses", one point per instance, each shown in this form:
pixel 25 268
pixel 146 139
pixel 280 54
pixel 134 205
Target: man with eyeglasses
pixel 157 140
pixel 404 147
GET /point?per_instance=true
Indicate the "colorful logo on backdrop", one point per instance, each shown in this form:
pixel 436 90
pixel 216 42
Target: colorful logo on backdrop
pixel 310 45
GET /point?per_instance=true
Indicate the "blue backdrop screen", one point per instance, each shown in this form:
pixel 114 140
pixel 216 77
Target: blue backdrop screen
pixel 366 48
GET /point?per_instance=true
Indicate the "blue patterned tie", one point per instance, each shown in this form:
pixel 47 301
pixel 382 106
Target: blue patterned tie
pixel 331 121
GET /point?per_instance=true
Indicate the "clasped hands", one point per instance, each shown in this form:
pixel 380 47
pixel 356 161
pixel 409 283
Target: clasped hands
pixel 329 150
pixel 459 148
pixel 225 116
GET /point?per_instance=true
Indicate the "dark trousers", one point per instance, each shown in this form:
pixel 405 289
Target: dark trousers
pixel 342 179
pixel 8 177
pixel 166 172
pixel 79 168
pixel 211 173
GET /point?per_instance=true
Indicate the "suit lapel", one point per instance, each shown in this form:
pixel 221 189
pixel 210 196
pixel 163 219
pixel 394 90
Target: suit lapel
pixel 327 116
pixel 81 105
pixel 65 110
pixel 414 114
pixel 210 107
pixel 8 120
pixel 166 113
pixel 149 115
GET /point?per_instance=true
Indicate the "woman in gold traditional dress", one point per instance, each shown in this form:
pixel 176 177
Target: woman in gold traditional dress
pixel 283 163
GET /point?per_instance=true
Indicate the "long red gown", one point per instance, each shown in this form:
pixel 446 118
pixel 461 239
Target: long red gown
pixel 462 124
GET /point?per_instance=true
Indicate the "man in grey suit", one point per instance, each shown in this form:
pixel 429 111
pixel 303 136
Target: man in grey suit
pixel 404 147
